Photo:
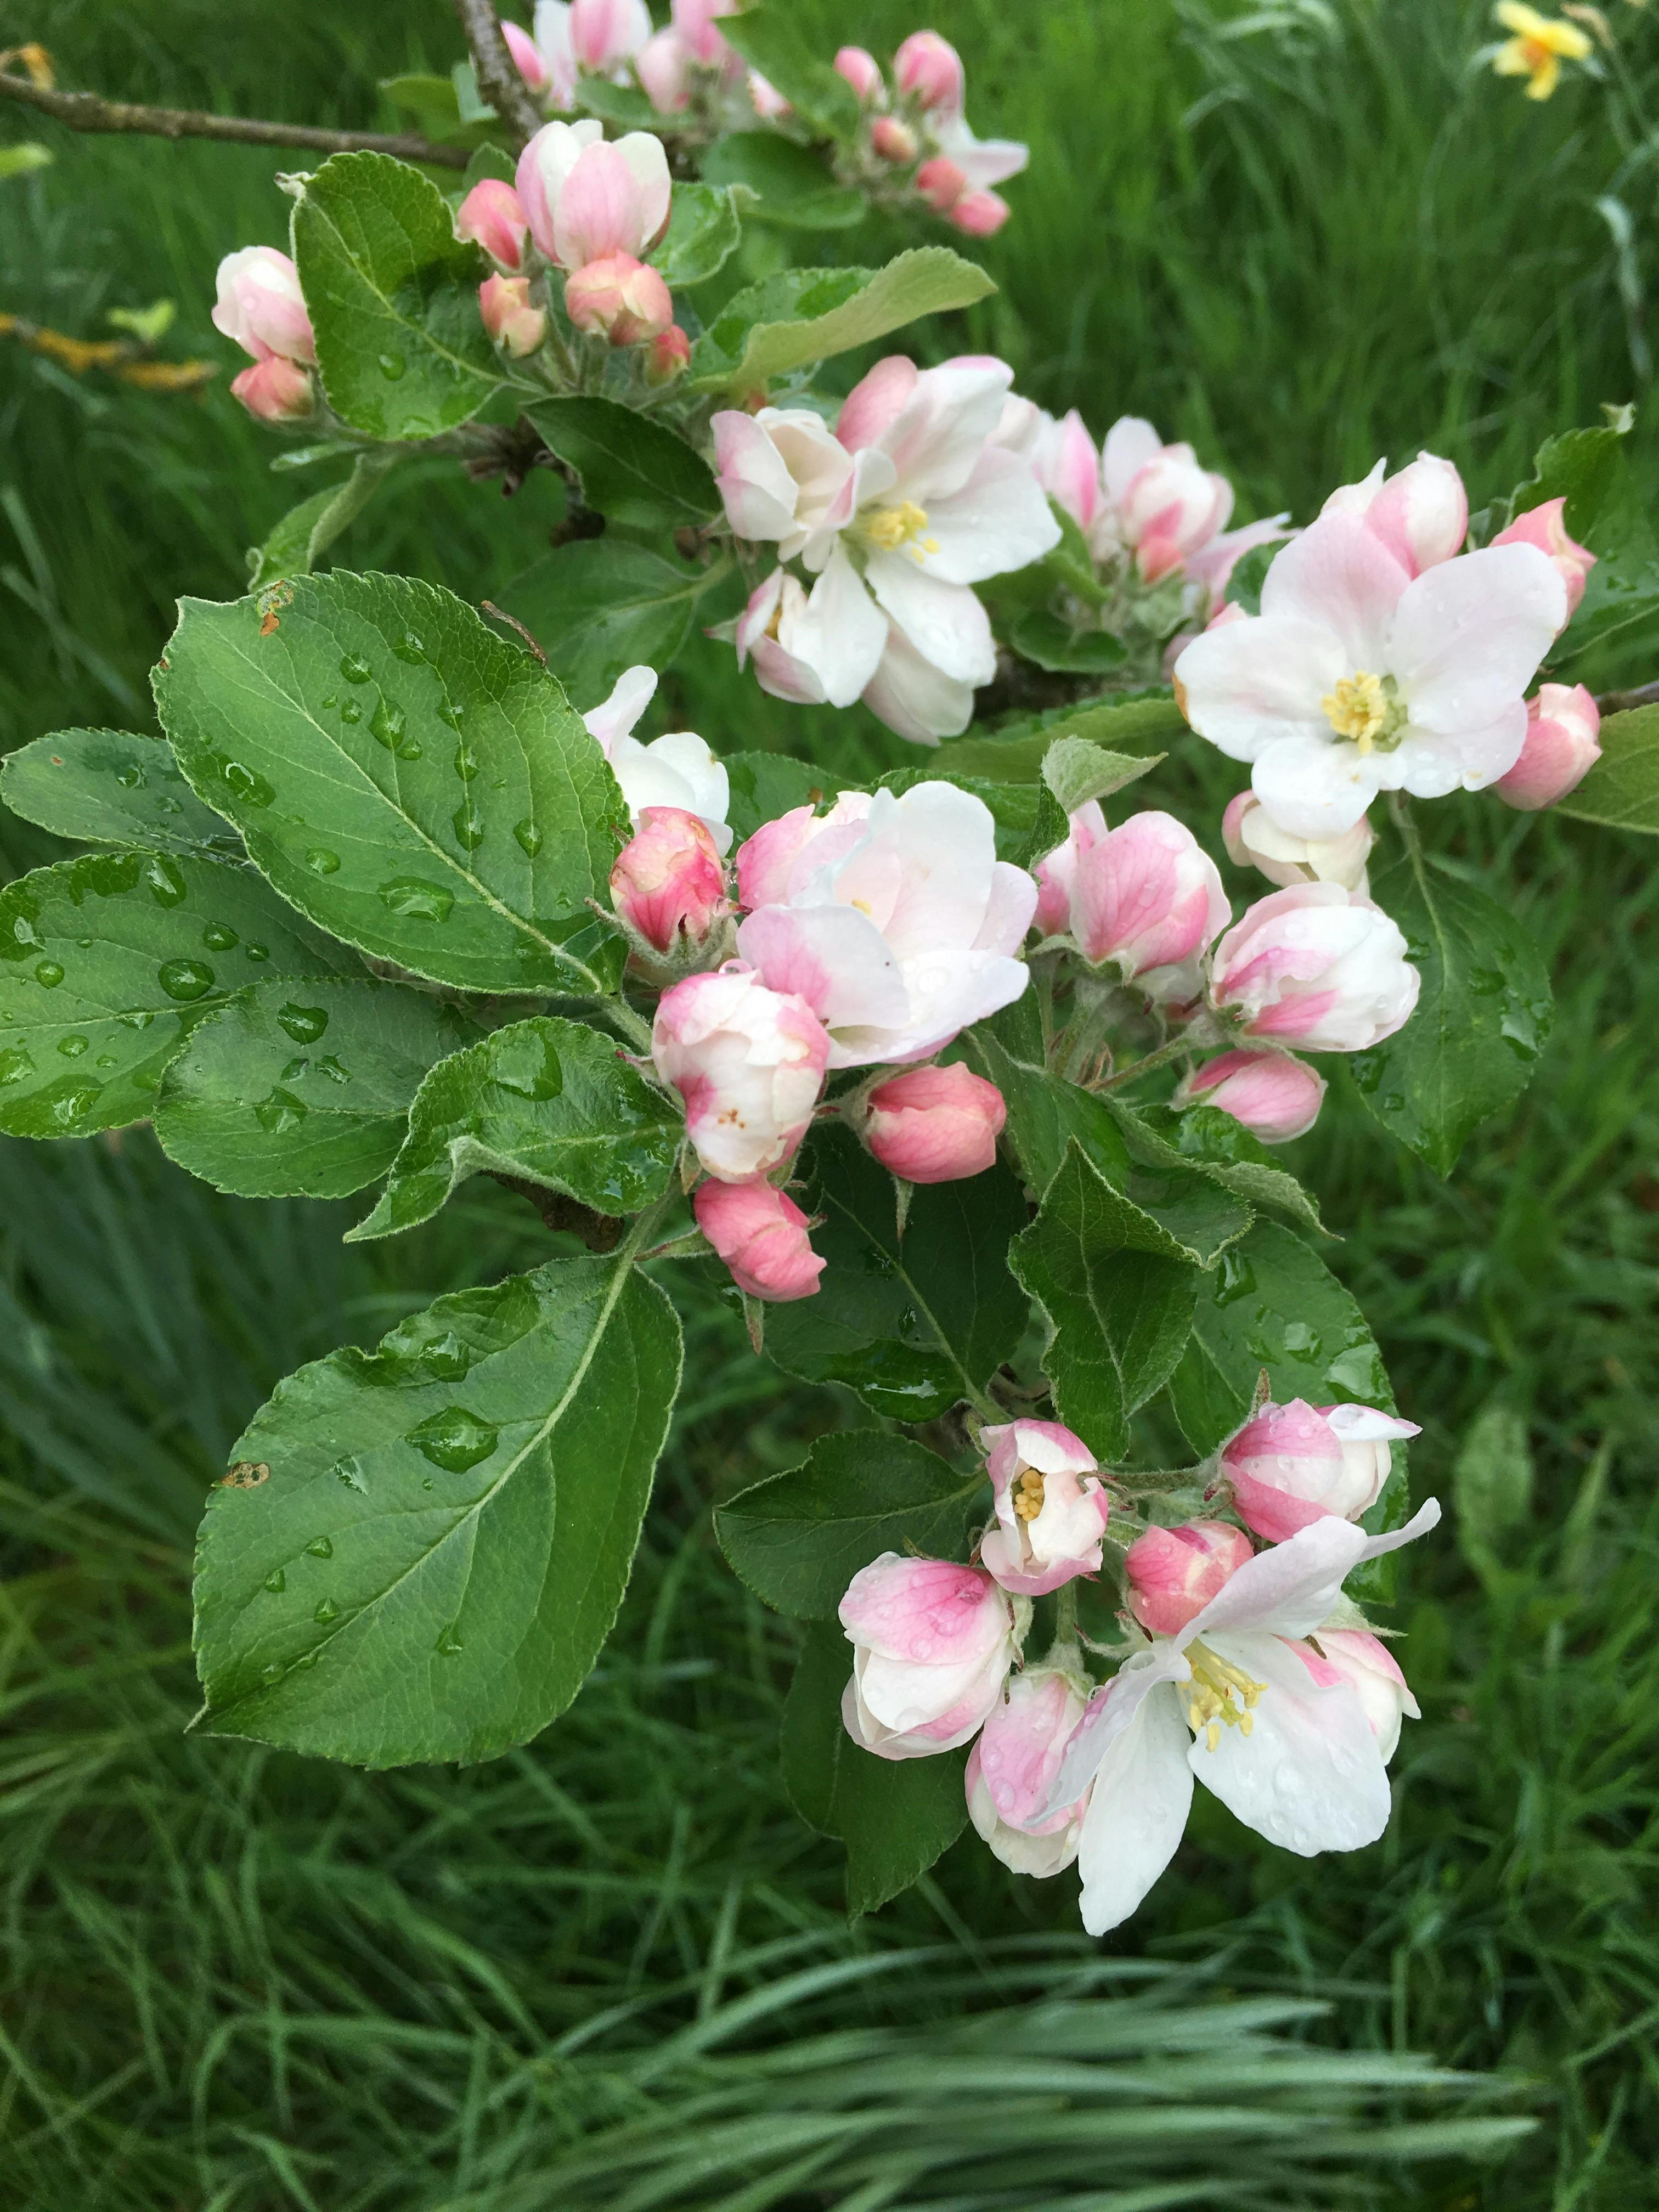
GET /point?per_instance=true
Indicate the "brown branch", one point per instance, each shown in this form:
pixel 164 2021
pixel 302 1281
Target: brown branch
pixel 600 1232
pixel 1620 703
pixel 88 111
pixel 499 82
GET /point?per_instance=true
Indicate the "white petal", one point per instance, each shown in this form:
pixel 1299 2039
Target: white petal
pixel 951 414
pixel 1315 787
pixel 1254 682
pixel 1136 1812
pixel 839 633
pixel 689 756
pixel 1469 634
pixel 944 622
pixel 1008 911
pixel 948 992
pixel 1336 573
pixel 941 843
pixel 1000 520
pixel 913 697
pixel 1110 1712
pixel 630 696
pixel 1309 1776
pixel 833 956
pixel 1288 1589
pixel 1130 444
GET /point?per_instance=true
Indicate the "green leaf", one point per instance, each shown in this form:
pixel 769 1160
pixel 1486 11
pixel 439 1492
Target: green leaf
pixel 107 961
pixel 306 532
pixel 1622 789
pixel 112 787
pixel 599 607
pixel 821 97
pixel 799 1539
pixel 1077 771
pixel 913 1323
pixel 1071 562
pixel 1607 512
pixel 776 181
pixel 487 161
pixel 1054 644
pixel 393 298
pixel 545 1099
pixel 303 1092
pixel 1164 1141
pixel 805 315
pixel 765 784
pixel 621 104
pixel 1017 751
pixel 438 1552
pixel 703 234
pixel 1117 1290
pixel 1249 574
pixel 1481 1019
pixel 894 1816
pixel 413 781
pixel 24 157
pixel 634 470
pixel 432 103
pixel 1046 1113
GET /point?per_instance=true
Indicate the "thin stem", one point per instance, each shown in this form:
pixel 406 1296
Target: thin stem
pixel 499 82
pixel 1620 703
pixel 1144 1065
pixel 90 112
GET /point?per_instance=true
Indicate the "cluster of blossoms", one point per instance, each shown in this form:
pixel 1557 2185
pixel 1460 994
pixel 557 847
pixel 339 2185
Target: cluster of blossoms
pixel 261 307
pixel 1247 1670
pixel 686 66
pixel 915 138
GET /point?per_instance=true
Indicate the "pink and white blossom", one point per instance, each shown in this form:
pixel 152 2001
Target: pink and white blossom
pixel 605 33
pixel 492 217
pixel 749 1063
pixel 586 200
pixel 891 916
pixel 1254 839
pixel 1144 896
pixel 1230 1699
pixel 934 1124
pixel 1157 503
pixel 1173 1573
pixel 668 356
pixel 1563 744
pixel 1294 1464
pixel 763 1236
pixel 1359 676
pixel 768 102
pixel 1364 1662
pixel 619 299
pixel 860 69
pixel 555 53
pixel 668 883
pixel 1275 1096
pixel 513 320
pixel 896 142
pixel 669 63
pixel 676 771
pixel 527 56
pixel 1012 1768
pixel 1316 967
pixel 276 391
pixel 928 69
pixel 1051 1507
pixel 932 1644
pixel 1546 527
pixel 261 307
pixel 1420 514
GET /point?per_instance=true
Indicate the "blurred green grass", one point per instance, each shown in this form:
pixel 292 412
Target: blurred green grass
pixel 1302 238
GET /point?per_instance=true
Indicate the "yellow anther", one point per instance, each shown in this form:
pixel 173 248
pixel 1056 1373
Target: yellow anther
pixel 1028 1493
pixel 900 528
pixel 1219 1695
pixel 1358 708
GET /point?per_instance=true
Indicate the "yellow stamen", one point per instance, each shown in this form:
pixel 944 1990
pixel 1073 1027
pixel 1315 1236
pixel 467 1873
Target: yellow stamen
pixel 900 528
pixel 1358 708
pixel 1028 1493
pixel 1219 1695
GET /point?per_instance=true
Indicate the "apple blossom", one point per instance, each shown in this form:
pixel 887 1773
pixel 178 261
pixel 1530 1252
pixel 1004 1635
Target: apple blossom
pixel 1421 512
pixel 1364 1662
pixel 1175 1572
pixel 1293 1464
pixel 891 916
pixel 664 65
pixel 1544 527
pixel 932 1645
pixel 1051 1507
pixel 762 1236
pixel 512 318
pixel 1274 1096
pixel 676 771
pixel 668 883
pixel 768 102
pixel 619 299
pixel 554 52
pixel 749 1063
pixel 1144 896
pixel 527 56
pixel 862 71
pixel 928 68
pixel 1228 1698
pixel 492 217
pixel 276 391
pixel 1357 677
pixel 1158 504
pixel 1254 839
pixel 260 305
pixel 604 33
pixel 1563 743
pixel 934 1124
pixel 1012 1768
pixel 1317 967
pixel 586 200
pixel 980 215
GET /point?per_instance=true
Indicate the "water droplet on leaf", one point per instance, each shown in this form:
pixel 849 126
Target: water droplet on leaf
pixel 14 1065
pixel 349 1470
pixel 354 669
pixel 320 1548
pixel 129 777
pixel 305 1025
pixel 410 648
pixel 529 836
pixel 326 1610
pixel 185 979
pixel 246 785
pixel 454 1438
pixel 448 1643
pixel 467 761
pixel 529 1066
pixel 139 1017
pixel 350 710
pixel 72 1047
pixel 415 896
pixel 277 1580
pixel 386 724
pixel 392 367
pixel 49 974
pixel 218 937
pixel 166 882
pixel 279 1111
pixel 469 828
pixel 321 862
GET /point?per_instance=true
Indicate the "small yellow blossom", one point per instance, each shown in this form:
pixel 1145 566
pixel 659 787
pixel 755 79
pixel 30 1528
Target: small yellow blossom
pixel 1539 45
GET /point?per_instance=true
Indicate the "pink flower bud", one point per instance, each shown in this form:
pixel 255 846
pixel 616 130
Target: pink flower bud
pixel 668 881
pixel 1421 513
pixel 1175 1572
pixel 620 298
pixel 1051 1507
pixel 1275 1096
pixel 668 356
pixel 663 66
pixel 1144 895
pixel 750 1064
pixel 979 214
pixel 1318 966
pixel 940 183
pixel 603 32
pixel 1013 1769
pixel 527 58
pixel 929 69
pixel 1364 1663
pixel 1254 839
pixel 276 391
pixel 1169 507
pixel 862 71
pixel 584 200
pixel 695 21
pixel 935 1124
pixel 1292 1465
pixel 1564 726
pixel 492 215
pixel 768 102
pixel 760 1234
pixel 512 318
pixel 260 305
pixel 894 141
pixel 1544 527
pixel 931 1646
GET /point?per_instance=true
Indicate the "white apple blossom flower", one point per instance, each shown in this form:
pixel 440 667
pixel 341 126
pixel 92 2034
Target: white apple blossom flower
pixel 676 771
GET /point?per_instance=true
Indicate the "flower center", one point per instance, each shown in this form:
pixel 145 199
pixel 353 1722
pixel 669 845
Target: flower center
pixel 900 528
pixel 1028 1493
pixel 1366 710
pixel 1219 1695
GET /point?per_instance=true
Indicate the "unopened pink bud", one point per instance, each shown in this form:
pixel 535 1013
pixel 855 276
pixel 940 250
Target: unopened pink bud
pixel 1564 726
pixel 929 69
pixel 861 70
pixel 668 881
pixel 663 65
pixel 1294 1464
pixel 668 356
pixel 261 306
pixel 1544 527
pixel 979 214
pixel 527 56
pixel 620 298
pixel 762 1236
pixel 1317 967
pixel 768 103
pixel 492 215
pixel 1175 1572
pixel 1146 895
pixel 276 391
pixel 935 1124
pixel 894 141
pixel 1275 1096
pixel 941 183
pixel 605 32
pixel 512 318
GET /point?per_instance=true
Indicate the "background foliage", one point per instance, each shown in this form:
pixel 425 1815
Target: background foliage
pixel 613 1968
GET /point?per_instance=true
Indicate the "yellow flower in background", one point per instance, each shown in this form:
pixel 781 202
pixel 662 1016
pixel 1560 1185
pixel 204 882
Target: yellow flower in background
pixel 1539 45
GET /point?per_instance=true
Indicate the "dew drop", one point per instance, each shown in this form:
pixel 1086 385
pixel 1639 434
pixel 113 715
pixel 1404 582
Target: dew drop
pixel 129 777
pixel 137 1018
pixel 454 1438
pixel 72 1047
pixel 166 882
pixel 392 366
pixel 450 712
pixel 411 646
pixel 296 1069
pixel 48 974
pixel 349 1471
pixel 467 761
pixel 326 1610
pixel 320 1548
pixel 354 669
pixel 257 951
pixel 329 1066
pixel 426 1482
pixel 68 1108
pixel 351 710
pixel 469 826
pixel 445 1357
pixel 105 1059
pixel 85 943
pixel 246 785
pixel 279 1111
pixel 415 896
pixel 448 1644
pixel 528 835
pixel 330 702
pixel 321 862
pixel 185 979
pixel 305 1025
pixel 166 804
pixel 14 1065
pixel 386 724
pixel 1237 1280
pixel 277 1580
pixel 219 937
pixel 272 1674
pixel 529 1066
